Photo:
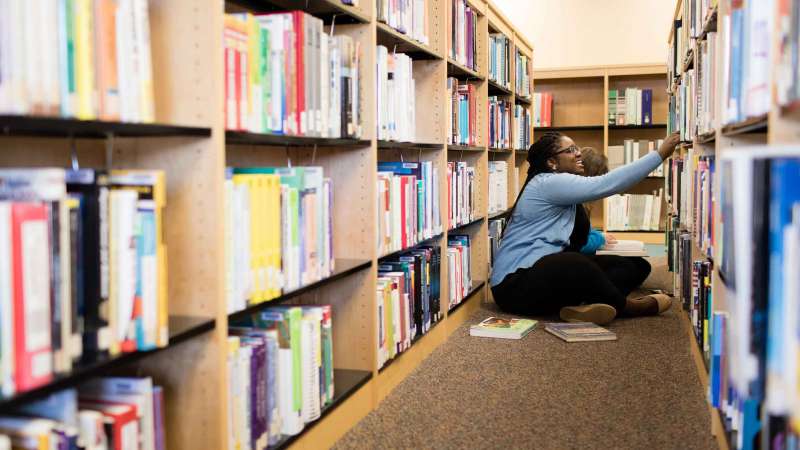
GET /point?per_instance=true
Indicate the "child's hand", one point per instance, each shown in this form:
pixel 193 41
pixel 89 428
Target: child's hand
pixel 610 239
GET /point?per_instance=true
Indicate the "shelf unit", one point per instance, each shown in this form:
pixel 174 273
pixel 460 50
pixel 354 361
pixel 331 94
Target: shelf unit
pixel 190 143
pixel 580 110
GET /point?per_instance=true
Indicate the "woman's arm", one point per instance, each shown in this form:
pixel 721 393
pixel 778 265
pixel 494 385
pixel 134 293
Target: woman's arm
pixel 569 189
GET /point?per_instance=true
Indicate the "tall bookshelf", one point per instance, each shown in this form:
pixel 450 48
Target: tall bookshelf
pixel 191 144
pixel 580 111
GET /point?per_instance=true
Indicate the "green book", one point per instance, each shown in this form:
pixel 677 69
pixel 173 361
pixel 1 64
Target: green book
pixel 498 327
pixel 612 106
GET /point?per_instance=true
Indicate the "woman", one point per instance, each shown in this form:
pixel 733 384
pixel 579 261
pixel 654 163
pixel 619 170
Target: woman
pixel 538 270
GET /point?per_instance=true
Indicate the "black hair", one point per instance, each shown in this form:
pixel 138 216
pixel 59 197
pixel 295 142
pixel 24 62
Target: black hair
pixel 539 152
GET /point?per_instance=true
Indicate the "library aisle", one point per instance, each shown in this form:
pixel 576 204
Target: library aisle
pixel 642 391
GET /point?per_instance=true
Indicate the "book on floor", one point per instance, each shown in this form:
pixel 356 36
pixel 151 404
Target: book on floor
pixel 498 327
pixel 580 332
pixel 623 248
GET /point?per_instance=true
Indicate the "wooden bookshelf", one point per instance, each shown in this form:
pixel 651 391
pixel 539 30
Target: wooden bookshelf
pixel 580 111
pixel 190 143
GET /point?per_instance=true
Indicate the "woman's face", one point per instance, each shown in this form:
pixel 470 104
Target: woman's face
pixel 567 158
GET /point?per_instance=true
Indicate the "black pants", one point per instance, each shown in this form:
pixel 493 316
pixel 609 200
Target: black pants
pixel 570 279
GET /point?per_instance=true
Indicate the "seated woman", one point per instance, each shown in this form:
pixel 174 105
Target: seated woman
pixel 538 268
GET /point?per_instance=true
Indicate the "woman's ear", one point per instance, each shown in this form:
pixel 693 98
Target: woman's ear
pixel 551 164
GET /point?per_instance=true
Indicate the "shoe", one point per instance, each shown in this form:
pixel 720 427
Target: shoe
pixel 597 313
pixel 649 305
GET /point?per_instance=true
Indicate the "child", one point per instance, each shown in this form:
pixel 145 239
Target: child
pixel 594 164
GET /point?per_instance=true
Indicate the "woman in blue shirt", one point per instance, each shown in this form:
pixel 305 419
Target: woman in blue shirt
pixel 538 271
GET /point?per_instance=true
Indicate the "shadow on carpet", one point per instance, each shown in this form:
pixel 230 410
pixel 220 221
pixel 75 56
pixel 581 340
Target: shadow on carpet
pixel 641 391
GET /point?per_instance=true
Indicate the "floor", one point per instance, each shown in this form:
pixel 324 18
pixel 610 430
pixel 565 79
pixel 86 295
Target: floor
pixel 641 391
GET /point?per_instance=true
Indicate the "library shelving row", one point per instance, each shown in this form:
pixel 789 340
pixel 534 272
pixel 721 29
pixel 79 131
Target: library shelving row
pixel 731 83
pixel 193 143
pixel 580 109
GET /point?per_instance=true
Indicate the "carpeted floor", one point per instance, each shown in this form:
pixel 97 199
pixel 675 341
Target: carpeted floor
pixel 640 392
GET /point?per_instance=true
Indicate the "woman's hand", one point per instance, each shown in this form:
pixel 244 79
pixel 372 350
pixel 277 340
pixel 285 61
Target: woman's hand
pixel 668 146
pixel 610 239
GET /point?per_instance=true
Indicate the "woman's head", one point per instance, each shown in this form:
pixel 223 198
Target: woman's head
pixel 594 162
pixel 554 153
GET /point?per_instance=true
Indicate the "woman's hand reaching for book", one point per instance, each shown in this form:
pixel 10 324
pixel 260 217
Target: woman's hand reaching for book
pixel 668 146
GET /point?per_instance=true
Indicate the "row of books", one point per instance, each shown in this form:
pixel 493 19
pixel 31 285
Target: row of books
pixel 522 120
pixel 396 96
pixel 706 82
pixel 630 151
pixel 459 268
pixel 543 109
pixel 88 59
pixel 409 17
pixel 461 191
pixel 498 186
pixel 499 122
pixel 524 80
pixel 464 33
pixel 280 372
pixel 462 110
pixel 82 269
pixel 634 212
pixel 408 204
pixel 500 59
pixel 682 107
pixel 747 59
pixel 114 413
pixel 690 193
pixel 408 299
pixel 630 106
pixel 285 75
pixel 278 231
pixel 495 233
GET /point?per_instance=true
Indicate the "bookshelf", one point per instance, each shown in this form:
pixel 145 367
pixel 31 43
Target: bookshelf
pixel 580 110
pixel 190 142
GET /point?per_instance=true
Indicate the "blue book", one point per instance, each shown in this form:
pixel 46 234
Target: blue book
pixel 400 168
pixel 647 106
pixel 736 65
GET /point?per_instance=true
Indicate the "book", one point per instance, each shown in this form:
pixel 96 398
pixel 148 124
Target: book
pixel 396 119
pixel 463 45
pixel 497 327
pixel 523 79
pixel 462 110
pixel 623 248
pixel 459 257
pixel 498 186
pixel 580 332
pixel 500 59
pixel 407 17
pixel 499 123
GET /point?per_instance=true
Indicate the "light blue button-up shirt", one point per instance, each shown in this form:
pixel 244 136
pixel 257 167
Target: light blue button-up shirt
pixel 545 214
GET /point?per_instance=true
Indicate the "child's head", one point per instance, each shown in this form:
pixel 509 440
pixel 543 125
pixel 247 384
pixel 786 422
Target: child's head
pixel 594 163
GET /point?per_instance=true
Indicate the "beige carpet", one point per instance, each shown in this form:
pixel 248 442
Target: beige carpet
pixel 640 392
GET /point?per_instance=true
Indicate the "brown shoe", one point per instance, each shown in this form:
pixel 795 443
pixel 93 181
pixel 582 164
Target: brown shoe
pixel 649 305
pixel 598 313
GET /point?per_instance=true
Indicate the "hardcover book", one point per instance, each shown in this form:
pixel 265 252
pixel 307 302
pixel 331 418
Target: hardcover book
pixel 580 332
pixel 498 327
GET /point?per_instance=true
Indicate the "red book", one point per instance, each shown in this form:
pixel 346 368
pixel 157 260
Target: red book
pixel 299 21
pixel 121 419
pixel 33 357
pixel 403 215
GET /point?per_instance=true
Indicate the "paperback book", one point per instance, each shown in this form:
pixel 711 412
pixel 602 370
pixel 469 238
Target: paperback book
pixel 580 332
pixel 498 327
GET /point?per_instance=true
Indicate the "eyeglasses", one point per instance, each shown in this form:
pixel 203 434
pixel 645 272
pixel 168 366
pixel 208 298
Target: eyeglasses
pixel 572 149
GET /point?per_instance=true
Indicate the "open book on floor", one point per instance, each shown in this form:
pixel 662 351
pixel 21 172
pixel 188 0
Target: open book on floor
pixel 623 248
pixel 498 327
pixel 580 332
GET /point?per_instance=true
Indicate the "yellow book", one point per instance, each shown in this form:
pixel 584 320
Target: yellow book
pixel 273 231
pixel 234 395
pixel 84 60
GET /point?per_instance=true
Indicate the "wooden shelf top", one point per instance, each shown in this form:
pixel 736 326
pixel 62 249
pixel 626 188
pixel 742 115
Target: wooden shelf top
pixel 496 88
pixel 421 243
pixel 638 127
pixel 757 124
pixel 499 150
pixel 499 214
pixel 465 148
pixel 523 100
pixel 710 22
pixel 326 10
pixel 342 268
pixel 455 69
pixel 181 328
pixel 57 127
pixel 707 138
pixel 465 225
pixel 282 140
pixel 409 145
pixel 399 42
pixel 571 128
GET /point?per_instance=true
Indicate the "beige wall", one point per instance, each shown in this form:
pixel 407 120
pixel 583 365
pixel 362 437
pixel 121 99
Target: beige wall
pixel 572 33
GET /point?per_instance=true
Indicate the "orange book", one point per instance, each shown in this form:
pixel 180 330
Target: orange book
pixel 105 12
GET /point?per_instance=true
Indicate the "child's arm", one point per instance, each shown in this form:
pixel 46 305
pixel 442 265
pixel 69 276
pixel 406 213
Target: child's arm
pixel 594 242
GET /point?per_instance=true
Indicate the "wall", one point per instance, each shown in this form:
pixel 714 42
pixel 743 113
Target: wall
pixel 574 33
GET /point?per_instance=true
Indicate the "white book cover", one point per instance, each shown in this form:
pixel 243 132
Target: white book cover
pixel 146 108
pixel 136 391
pixel 123 262
pixel 245 357
pixel 6 303
pixel 292 420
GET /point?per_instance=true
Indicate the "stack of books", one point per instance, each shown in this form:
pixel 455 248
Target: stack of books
pixel 285 75
pixel 395 96
pixel 280 373
pixel 408 204
pixel 462 109
pixel 459 268
pixel 464 32
pixel 634 212
pixel 84 59
pixel 409 17
pixel 524 81
pixel 498 186
pixel 408 299
pixel 461 193
pixel 278 229
pixel 543 109
pixel 104 413
pixel 630 106
pixel 82 269
pixel 500 59
pixel 499 123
